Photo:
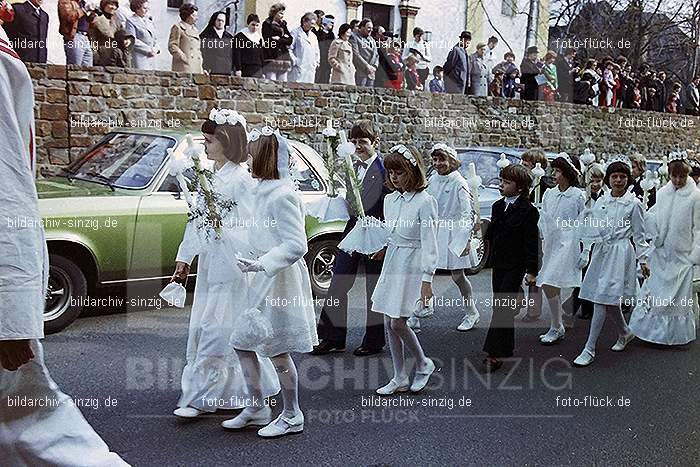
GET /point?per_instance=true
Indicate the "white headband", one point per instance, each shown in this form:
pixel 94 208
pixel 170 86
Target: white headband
pixel 443 147
pixel 405 152
pixel 226 116
pixel 678 156
pixel 620 158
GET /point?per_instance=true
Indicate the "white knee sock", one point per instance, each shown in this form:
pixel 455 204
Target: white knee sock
pixel 398 358
pixel 289 381
pixel 597 322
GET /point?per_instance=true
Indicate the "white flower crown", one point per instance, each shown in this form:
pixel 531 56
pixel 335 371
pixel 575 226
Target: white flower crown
pixel 255 134
pixel 226 116
pixel 620 158
pixel 443 147
pixel 405 152
pixel 678 156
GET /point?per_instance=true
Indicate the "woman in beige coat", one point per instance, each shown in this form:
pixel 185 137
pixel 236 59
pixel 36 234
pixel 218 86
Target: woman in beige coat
pixel 184 43
pixel 340 58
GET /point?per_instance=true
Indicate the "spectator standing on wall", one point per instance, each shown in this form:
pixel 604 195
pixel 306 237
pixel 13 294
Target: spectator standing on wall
pixel 248 54
pixel 479 79
pixel 592 83
pixel 305 53
pixel 437 84
pixel 102 31
pixel 340 58
pixel 550 72
pixel 692 100
pixel 184 43
pixel 74 17
pixel 411 76
pixel 217 46
pixel 277 40
pixel 565 74
pixel 530 68
pixel 457 65
pixel 121 55
pixel 325 37
pixel 383 41
pixel 420 49
pixel 510 74
pixel 490 55
pixel 662 92
pixel 391 67
pixel 365 54
pixel 28 31
pixel 141 27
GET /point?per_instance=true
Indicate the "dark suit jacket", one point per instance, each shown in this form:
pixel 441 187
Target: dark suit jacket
pixel 566 81
pixel 374 190
pixel 457 70
pixel 31 29
pixel 528 72
pixel 513 235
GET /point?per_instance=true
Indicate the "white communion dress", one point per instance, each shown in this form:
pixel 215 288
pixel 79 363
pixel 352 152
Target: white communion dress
pixel 559 214
pixel 411 255
pixel 213 378
pixel 456 218
pixel 663 312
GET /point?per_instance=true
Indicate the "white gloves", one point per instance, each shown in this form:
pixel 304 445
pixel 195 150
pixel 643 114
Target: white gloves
pixel 583 259
pixel 250 265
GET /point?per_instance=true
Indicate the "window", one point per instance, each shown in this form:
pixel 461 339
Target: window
pixel 175 4
pixel 509 7
pixel 305 177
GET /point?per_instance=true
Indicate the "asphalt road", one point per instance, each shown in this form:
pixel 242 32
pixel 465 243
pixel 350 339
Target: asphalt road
pixel 124 369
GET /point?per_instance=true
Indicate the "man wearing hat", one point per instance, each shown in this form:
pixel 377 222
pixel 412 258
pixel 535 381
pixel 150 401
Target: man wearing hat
pixel 529 69
pixel 456 69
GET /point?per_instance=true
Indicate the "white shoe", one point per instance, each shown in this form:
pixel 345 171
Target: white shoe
pixel 622 342
pixel 585 359
pixel 470 320
pixel 247 417
pixel 414 323
pixel 283 426
pixel 552 336
pixel 187 412
pixel 421 379
pixel 393 386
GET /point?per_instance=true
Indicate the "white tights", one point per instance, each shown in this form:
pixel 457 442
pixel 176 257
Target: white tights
pixel 401 335
pixel 598 319
pixel 286 373
pixel 553 295
pixel 464 286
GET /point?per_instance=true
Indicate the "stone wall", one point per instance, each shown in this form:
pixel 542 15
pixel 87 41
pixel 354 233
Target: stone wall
pixel 74 106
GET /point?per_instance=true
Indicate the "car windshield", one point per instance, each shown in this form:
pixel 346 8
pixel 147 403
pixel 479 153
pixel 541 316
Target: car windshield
pixel 485 163
pixel 124 160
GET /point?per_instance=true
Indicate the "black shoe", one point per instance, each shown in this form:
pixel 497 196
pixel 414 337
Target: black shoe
pixel 363 351
pixel 492 364
pixel 326 347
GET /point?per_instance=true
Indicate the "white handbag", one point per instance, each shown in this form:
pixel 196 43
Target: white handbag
pixel 422 310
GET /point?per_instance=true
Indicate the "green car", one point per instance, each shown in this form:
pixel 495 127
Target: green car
pixel 116 216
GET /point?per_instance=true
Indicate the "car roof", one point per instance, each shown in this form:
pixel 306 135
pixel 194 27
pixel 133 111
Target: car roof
pixel 513 152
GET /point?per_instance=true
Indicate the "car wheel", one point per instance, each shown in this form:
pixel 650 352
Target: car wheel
pixel 320 259
pixel 483 252
pixel 65 293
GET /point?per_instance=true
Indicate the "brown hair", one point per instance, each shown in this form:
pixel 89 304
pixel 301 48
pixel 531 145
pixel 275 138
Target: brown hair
pixel 364 129
pixel 550 54
pixel 681 167
pixel 454 163
pixel 264 153
pixel 233 139
pixel 186 10
pixel 417 180
pixel 136 5
pixel 518 174
pixel 276 8
pixel 535 156
pixel 104 3
pixel 639 161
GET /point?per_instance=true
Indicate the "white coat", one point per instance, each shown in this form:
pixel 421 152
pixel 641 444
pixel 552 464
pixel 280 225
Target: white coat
pixel 664 308
pixel 213 378
pixel 412 254
pixel 306 56
pixel 282 292
pixel 55 434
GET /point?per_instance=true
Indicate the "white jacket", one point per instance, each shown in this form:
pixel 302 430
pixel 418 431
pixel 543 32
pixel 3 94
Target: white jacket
pixel 306 56
pixel 23 254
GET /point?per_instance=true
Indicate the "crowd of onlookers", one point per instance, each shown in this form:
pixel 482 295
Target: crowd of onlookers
pixel 359 54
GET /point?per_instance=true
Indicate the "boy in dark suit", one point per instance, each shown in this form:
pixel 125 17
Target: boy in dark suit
pixel 332 327
pixel 514 240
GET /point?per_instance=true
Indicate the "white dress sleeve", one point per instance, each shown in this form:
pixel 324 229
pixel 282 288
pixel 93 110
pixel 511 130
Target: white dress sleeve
pixel 641 245
pixel 428 238
pixel 463 230
pixel 695 232
pixel 190 245
pixel 287 213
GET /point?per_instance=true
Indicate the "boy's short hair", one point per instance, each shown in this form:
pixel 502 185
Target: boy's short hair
pixel 535 155
pixel 508 54
pixel 595 170
pixel 396 161
pixel 264 154
pixel 638 160
pixel 364 129
pixel 519 175
pixel 437 69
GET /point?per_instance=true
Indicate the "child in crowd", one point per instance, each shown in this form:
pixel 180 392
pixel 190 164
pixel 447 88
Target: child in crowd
pixel 614 223
pixel 496 85
pixel 456 222
pixel 437 84
pixel 514 241
pixel 664 309
pixel 410 260
pixel 413 82
pixel 395 77
pixel 510 74
pixel 561 207
pixel 121 54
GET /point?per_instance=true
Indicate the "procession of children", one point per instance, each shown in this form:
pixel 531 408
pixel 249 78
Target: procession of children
pixel 581 226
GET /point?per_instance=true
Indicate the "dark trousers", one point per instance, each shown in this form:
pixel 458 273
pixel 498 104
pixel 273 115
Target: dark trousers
pixel 334 317
pixel 423 75
pixel 507 287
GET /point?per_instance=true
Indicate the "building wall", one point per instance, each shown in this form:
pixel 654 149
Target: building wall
pixel 75 106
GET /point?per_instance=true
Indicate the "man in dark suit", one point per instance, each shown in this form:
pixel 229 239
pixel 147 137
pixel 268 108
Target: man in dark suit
pixel 28 31
pixel 456 70
pixel 332 327
pixel 514 241
pixel 565 76
pixel 529 69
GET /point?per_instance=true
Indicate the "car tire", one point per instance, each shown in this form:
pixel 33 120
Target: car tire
pixel 484 251
pixel 65 295
pixel 320 260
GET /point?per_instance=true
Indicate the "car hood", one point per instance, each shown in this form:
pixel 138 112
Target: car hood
pixel 61 187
